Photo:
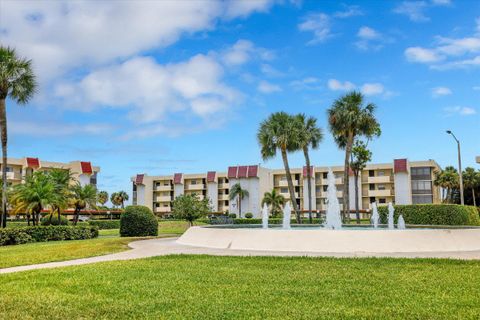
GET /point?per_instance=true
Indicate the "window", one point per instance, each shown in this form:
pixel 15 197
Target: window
pixel 420 199
pixel 157 205
pixel 166 205
pixel 325 175
pixel 371 186
pixel 166 183
pixel 421 187
pixel 318 189
pixel 382 200
pixel 283 190
pixel 193 182
pixel 325 188
pixel 421 173
pixel 381 187
pixel 9 169
pixel 371 173
pixel 372 199
pixel 380 173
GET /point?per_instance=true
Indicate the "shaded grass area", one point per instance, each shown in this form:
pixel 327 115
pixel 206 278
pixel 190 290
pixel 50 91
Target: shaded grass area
pixel 206 287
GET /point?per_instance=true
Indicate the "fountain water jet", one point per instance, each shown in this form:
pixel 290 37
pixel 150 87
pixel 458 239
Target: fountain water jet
pixel 401 223
pixel 333 219
pixel 265 216
pixel 375 219
pixel 391 210
pixel 287 211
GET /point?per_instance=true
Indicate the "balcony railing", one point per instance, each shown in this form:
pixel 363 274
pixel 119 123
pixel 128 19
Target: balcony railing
pixel 379 179
pixel 163 188
pixel 379 193
pixel 195 187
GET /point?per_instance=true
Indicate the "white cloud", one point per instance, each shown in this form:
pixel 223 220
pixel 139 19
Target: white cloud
pixel 369 38
pixel 40 129
pixel 459 110
pixel 350 11
pixel 239 53
pixel 368 33
pixel 266 87
pixel 441 91
pixel 308 83
pixel 441 2
pixel 319 24
pixel 335 85
pixel 270 71
pixel 244 8
pixel 414 10
pixel 476 88
pixel 372 89
pixel 422 55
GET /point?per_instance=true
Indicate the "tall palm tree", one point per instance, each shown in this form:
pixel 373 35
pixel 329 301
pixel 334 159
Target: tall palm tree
pixel 471 180
pixel 61 180
pixel 122 197
pixel 309 136
pixel 448 179
pixel 237 192
pixel 31 197
pixel 17 82
pixel 115 199
pixel 278 132
pixel 83 197
pixel 348 118
pixel 102 197
pixel 359 158
pixel 274 200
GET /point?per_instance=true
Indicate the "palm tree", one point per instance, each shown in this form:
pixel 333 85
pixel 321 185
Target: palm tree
pixel 309 136
pixel 17 82
pixel 62 180
pixel 274 200
pixel 471 180
pixel 102 197
pixel 359 158
pixel 237 192
pixel 348 118
pixel 83 197
pixel 34 195
pixel 448 180
pixel 278 132
pixel 122 197
pixel 115 199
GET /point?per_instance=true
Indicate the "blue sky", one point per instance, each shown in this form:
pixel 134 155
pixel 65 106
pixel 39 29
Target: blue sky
pixel 162 87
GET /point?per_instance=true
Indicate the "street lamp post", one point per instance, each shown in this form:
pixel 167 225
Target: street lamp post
pixel 462 201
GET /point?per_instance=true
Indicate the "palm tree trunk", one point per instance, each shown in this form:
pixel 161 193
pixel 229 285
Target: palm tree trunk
pixel 357 209
pixel 346 191
pixel 59 216
pixel 239 201
pixel 309 184
pixel 3 125
pixel 290 185
pixel 473 196
pixel 28 220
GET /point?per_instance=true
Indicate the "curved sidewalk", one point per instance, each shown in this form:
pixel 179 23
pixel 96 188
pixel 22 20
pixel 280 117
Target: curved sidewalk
pixel 166 246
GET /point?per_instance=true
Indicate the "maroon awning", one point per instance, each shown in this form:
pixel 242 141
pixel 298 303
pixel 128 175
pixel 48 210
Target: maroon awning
pixel 139 179
pixel 177 178
pixel 232 172
pixel 400 165
pixel 211 176
pixel 305 172
pixel 242 171
pixel 33 163
pixel 86 167
pixel 252 171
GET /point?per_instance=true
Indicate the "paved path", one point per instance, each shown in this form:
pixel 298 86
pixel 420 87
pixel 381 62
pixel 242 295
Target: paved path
pixel 166 246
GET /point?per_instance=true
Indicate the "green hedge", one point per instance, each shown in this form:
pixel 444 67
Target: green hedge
pixel 105 224
pixel 50 220
pixel 19 235
pixel 138 221
pixel 434 214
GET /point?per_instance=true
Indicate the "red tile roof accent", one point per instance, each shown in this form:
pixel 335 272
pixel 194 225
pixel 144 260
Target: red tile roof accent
pixel 86 167
pixel 211 176
pixel 242 171
pixel 177 178
pixel 400 165
pixel 232 172
pixel 305 173
pixel 252 171
pixel 33 163
pixel 139 179
pixel 350 171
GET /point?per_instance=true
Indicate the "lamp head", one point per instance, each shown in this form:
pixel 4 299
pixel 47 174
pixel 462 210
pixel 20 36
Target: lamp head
pixel 449 132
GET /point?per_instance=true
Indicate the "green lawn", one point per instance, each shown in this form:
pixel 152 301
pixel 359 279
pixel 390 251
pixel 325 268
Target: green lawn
pixel 206 287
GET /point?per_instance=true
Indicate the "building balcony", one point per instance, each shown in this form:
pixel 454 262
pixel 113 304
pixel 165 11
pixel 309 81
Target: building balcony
pixel 284 183
pixel 14 176
pixel 163 199
pixel 195 187
pixel 163 188
pixel 324 194
pixel 223 197
pixel 163 209
pixel 379 179
pixel 380 193
pixel 223 186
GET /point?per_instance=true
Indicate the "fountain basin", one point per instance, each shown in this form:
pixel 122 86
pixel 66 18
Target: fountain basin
pixel 333 241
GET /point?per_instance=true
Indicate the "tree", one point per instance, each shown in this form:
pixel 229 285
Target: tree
pixel 61 180
pixel 278 133
pixel 119 198
pixel 275 201
pixel 309 136
pixel 471 180
pixel 189 207
pixel 83 197
pixel 448 179
pixel 34 195
pixel 102 197
pixel 348 118
pixel 115 199
pixel 237 192
pixel 17 82
pixel 359 158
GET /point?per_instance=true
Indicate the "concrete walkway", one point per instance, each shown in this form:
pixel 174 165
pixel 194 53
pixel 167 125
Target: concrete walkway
pixel 167 246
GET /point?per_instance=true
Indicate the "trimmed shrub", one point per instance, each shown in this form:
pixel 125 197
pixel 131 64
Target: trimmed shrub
pixel 434 214
pixel 11 236
pixel 138 221
pixel 249 215
pixel 232 215
pixel 105 224
pixel 50 220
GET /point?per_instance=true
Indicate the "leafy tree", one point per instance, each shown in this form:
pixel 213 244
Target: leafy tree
pixel 448 179
pixel 471 180
pixel 17 82
pixel 119 198
pixel 348 118
pixel 359 158
pixel 83 197
pixel 102 197
pixel 275 201
pixel 34 195
pixel 309 136
pixel 190 208
pixel 237 192
pixel 278 132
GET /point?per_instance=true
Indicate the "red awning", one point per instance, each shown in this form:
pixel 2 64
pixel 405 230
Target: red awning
pixel 305 173
pixel 232 172
pixel 400 165
pixel 242 171
pixel 33 163
pixel 252 171
pixel 139 179
pixel 86 167
pixel 177 178
pixel 211 176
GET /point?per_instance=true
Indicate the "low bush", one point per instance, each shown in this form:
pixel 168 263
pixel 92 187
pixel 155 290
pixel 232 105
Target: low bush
pixel 19 235
pixel 105 224
pixel 249 215
pixel 138 221
pixel 232 215
pixel 434 214
pixel 50 220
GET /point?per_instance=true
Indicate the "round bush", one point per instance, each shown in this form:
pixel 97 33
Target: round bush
pixel 248 215
pixel 137 221
pixel 232 215
pixel 50 220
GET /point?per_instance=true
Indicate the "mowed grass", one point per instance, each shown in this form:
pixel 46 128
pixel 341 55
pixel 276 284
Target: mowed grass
pixel 208 287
